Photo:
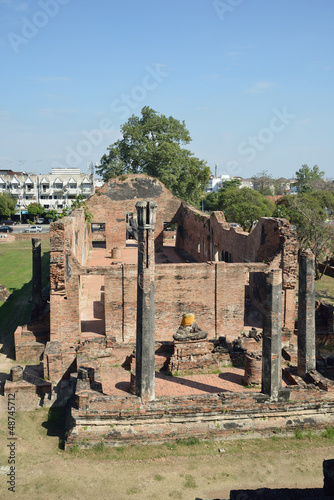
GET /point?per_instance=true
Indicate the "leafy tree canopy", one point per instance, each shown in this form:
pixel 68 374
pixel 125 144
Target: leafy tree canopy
pixel 35 209
pixel 263 183
pixel 233 183
pixel 210 201
pixel 309 213
pixel 152 144
pixel 244 206
pixel 7 205
pixel 307 178
pixel 52 214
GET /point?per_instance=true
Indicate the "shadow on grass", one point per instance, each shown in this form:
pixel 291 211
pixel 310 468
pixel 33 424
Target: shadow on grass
pixel 16 311
pixel 56 423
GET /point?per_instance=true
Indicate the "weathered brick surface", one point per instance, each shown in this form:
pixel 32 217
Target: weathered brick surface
pixel 214 291
pixel 127 420
pixel 230 266
pixel 119 196
pixel 197 356
pixel 30 339
pixel 253 369
pixel 29 236
pixel 207 237
pixel 69 246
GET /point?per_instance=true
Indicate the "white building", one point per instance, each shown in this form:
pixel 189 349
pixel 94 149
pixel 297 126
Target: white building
pixel 215 183
pixel 248 183
pixel 54 191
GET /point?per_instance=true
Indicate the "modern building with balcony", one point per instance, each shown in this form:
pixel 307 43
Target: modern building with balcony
pixel 54 191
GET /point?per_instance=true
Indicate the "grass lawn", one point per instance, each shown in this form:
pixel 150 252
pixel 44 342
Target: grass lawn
pixel 16 275
pixel 324 289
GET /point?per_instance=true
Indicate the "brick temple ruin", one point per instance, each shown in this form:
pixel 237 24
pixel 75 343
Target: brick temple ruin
pixel 115 306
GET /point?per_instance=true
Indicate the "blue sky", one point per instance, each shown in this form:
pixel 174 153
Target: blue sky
pixel 252 79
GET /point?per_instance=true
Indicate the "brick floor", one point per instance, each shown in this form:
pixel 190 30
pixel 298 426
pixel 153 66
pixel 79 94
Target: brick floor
pixel 100 257
pixel 116 381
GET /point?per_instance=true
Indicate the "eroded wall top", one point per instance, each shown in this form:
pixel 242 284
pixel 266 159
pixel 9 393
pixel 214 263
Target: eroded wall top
pixel 118 197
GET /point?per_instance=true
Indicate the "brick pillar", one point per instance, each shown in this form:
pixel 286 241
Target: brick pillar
pixel 37 301
pixel 306 314
pixel 145 369
pixel 272 336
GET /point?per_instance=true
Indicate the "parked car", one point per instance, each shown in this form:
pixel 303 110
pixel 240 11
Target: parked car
pixel 8 222
pixel 6 229
pixel 33 229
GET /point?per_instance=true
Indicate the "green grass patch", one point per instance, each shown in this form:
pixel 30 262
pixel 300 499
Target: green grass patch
pixel 299 434
pixel 324 289
pixel 190 482
pixel 328 433
pixel 190 441
pixel 16 275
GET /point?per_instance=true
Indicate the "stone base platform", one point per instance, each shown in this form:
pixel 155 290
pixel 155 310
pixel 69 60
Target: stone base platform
pixel 119 420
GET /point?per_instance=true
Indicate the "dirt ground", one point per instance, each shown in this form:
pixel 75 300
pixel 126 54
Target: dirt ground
pixel 169 471
pixel 178 471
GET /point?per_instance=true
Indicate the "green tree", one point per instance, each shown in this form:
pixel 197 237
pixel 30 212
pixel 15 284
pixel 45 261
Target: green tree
pixel 232 183
pixel 152 144
pixel 7 205
pixel 35 209
pixel 307 178
pixel 309 213
pixel 80 202
pixel 244 206
pixel 210 201
pixel 52 214
pixel 264 183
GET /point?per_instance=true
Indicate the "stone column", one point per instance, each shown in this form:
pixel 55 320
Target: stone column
pixel 37 300
pixel 145 352
pixel 306 314
pixel 272 336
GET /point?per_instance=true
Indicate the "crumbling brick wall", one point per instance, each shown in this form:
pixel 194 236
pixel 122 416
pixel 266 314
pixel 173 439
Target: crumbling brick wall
pixel 193 233
pixel 69 243
pixel 119 196
pixel 205 416
pixel 30 339
pixel 214 292
pixel 212 289
pixel 207 237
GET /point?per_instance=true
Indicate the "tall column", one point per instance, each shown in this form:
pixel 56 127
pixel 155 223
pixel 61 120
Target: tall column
pixel 145 352
pixel 37 301
pixel 272 336
pixel 306 314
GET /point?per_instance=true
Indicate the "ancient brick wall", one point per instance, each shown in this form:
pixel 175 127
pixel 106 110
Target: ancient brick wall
pixel 193 233
pixel 207 237
pixel 209 416
pixel 214 292
pixel 28 236
pixel 118 197
pixel 211 237
pixel 30 339
pixel 69 242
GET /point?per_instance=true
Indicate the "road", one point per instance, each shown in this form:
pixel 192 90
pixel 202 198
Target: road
pixel 20 228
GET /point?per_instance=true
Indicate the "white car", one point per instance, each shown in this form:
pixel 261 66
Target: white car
pixel 33 229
